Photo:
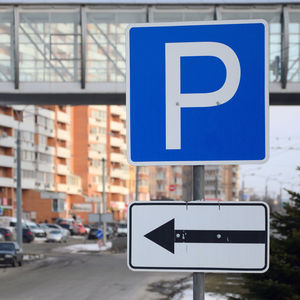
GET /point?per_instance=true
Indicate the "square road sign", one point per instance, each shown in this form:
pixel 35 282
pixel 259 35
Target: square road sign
pixel 197 93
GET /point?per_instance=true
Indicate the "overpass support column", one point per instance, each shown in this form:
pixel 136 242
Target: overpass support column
pixel 83 46
pixel 15 44
pixel 284 46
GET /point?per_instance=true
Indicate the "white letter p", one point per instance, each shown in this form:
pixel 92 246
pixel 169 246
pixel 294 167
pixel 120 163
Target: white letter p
pixel 175 100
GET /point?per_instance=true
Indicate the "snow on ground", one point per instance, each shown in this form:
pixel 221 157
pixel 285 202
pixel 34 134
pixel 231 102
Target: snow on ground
pixel 39 240
pixel 79 237
pixel 188 295
pixel 84 248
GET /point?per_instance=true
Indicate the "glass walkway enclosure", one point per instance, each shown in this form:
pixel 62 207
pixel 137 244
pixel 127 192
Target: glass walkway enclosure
pixel 74 53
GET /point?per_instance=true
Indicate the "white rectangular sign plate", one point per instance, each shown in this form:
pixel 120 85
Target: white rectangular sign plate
pixel 200 236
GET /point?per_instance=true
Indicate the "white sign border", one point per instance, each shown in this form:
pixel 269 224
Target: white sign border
pixel 209 270
pixel 208 162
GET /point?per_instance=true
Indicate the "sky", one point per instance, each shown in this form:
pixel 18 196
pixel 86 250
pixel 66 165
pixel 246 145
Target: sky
pixel 280 169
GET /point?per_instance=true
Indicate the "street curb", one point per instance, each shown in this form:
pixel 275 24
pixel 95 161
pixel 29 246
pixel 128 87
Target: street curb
pixel 32 256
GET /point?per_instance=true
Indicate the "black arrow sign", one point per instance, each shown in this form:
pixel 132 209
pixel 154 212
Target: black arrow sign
pixel 166 236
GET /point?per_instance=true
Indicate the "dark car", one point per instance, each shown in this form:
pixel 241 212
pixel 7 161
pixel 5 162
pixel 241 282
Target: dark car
pixel 93 231
pixel 11 253
pixel 28 236
pixel 8 235
pixel 67 226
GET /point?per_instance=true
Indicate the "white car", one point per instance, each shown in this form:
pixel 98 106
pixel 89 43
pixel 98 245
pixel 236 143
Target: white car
pixel 65 232
pixel 36 230
pixel 122 230
pixel 49 227
pixel 55 235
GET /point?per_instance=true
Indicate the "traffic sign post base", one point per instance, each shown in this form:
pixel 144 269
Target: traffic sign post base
pixel 198 286
pixel 198 193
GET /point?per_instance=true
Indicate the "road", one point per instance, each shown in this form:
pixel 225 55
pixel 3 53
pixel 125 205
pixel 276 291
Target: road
pixel 77 276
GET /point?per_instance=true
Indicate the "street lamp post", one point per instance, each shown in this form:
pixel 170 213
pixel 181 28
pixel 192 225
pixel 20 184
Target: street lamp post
pixel 19 190
pixel 104 199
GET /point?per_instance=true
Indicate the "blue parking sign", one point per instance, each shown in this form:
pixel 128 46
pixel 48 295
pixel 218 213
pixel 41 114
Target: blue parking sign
pixel 197 93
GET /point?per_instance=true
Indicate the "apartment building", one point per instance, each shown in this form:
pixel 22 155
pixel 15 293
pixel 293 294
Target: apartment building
pixel 118 168
pixel 48 183
pixel 99 142
pixel 165 182
pixel 89 154
pixel 63 152
pixel 143 183
pixel 221 182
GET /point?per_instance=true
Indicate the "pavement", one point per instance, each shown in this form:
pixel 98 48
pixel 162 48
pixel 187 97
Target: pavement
pixel 82 276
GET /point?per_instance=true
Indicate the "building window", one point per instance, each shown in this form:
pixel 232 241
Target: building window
pixel 57 205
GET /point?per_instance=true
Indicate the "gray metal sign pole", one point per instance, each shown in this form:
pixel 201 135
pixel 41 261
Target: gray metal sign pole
pixel 104 199
pixel 198 194
pixel 137 172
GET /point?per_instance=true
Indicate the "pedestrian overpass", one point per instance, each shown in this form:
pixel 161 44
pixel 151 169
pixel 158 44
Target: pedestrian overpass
pixel 73 52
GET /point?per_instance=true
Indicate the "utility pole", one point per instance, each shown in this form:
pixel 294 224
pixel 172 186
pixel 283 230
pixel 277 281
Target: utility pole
pixel 137 171
pixel 104 199
pixel 198 194
pixel 19 188
pixel 217 187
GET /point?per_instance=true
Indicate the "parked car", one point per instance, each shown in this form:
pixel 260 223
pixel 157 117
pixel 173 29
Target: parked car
pixel 9 223
pixel 48 227
pixel 28 236
pixel 122 230
pixel 87 229
pixel 35 229
pixel 79 229
pixel 68 227
pixel 56 235
pixel 93 232
pixel 11 253
pixel 7 234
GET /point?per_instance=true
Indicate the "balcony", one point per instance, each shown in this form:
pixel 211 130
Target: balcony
pixel 74 190
pixel 62 187
pixel 123 131
pixel 30 184
pixel 95 170
pixel 8 121
pixel 97 138
pixel 93 154
pixel 117 157
pixel 44 167
pixel 116 110
pixel 100 188
pixel 116 142
pixel 7 182
pixel 28 165
pixel 118 173
pixel 63 135
pixel 8 141
pixel 62 169
pixel 63 152
pixel 63 117
pixel 123 115
pixel 116 126
pixel 45 113
pixel 97 122
pixel 116 189
pixel 46 131
pixel 7 161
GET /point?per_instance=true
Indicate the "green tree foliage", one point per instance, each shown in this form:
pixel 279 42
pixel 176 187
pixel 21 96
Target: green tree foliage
pixel 282 280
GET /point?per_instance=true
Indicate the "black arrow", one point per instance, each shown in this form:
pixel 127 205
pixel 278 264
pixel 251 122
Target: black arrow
pixel 166 236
